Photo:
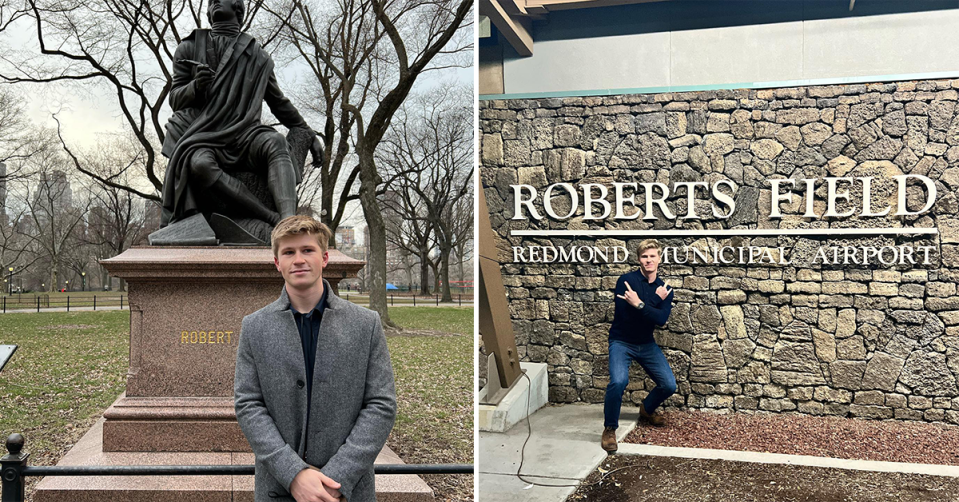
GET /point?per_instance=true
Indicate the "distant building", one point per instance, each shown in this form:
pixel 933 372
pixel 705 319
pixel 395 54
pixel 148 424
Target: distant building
pixel 54 191
pixel 97 222
pixel 151 218
pixel 345 236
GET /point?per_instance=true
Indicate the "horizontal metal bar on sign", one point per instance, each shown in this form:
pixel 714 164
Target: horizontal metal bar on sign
pixel 212 470
pixel 763 232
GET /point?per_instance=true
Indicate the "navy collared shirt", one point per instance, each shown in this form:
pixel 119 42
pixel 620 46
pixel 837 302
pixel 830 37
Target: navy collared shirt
pixel 633 325
pixel 309 326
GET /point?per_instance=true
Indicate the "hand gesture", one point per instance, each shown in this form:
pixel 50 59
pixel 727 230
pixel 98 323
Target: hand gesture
pixel 203 77
pixel 631 297
pixel 311 485
pixel 663 292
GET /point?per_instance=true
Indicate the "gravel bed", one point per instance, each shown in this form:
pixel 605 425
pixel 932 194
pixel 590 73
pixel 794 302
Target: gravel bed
pixel 892 441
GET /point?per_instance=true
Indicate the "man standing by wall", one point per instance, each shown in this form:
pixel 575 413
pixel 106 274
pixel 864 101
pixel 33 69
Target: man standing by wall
pixel 314 385
pixel 643 301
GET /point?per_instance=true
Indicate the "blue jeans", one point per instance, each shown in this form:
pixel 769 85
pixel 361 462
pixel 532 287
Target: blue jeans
pixel 651 358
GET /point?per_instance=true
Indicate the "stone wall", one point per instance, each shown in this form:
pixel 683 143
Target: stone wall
pixel 863 341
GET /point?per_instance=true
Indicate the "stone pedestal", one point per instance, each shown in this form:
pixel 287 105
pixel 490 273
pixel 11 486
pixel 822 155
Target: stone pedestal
pixel 186 307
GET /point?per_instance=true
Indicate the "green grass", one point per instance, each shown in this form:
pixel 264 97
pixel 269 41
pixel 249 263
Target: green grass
pixel 69 367
pixel 446 319
pixel 434 390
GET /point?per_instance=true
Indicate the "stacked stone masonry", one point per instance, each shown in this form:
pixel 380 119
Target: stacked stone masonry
pixel 868 341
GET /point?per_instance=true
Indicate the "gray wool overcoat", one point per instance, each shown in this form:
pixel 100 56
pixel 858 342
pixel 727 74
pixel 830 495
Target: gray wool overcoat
pixel 353 404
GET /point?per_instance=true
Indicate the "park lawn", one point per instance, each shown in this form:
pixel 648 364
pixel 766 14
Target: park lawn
pixel 70 367
pixel 434 387
pixel 457 320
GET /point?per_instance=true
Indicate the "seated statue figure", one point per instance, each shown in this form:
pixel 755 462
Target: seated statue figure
pixel 230 179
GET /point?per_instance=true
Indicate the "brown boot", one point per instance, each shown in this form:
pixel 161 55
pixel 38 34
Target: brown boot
pixel 609 439
pixel 654 420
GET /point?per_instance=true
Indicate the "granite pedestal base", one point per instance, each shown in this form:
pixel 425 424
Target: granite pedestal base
pixel 187 424
pixel 186 306
pixel 89 452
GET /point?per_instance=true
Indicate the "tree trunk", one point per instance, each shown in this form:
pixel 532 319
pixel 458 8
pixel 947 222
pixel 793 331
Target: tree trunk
pixel 374 220
pixel 424 272
pixel 436 277
pixel 445 273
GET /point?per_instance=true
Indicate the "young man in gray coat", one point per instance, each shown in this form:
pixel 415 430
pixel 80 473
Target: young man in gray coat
pixel 314 385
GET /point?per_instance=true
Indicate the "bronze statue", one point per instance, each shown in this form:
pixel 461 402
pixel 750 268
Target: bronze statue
pixel 230 179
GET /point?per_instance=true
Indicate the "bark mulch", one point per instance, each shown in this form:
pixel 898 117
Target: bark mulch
pixel 663 479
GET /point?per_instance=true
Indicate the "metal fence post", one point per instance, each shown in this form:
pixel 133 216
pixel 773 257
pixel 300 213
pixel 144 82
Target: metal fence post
pixel 68 303
pixel 437 299
pixel 4 304
pixel 38 303
pixel 391 300
pixel 121 302
pixel 94 302
pixel 460 297
pixel 414 299
pixel 11 466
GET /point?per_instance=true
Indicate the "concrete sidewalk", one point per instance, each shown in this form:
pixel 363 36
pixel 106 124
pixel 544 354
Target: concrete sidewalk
pixel 563 450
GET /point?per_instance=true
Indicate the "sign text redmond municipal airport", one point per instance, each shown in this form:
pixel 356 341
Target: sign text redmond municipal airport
pixel 729 255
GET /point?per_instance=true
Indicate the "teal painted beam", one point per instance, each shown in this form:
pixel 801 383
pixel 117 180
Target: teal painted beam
pixel 714 87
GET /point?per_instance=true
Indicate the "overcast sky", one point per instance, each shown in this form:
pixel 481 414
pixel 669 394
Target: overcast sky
pixel 88 111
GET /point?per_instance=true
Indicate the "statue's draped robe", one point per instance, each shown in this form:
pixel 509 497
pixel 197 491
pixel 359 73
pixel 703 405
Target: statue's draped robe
pixel 225 118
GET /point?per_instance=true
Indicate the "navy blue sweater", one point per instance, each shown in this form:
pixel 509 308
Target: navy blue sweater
pixel 633 325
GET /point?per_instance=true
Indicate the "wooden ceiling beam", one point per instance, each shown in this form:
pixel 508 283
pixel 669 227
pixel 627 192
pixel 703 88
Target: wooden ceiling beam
pixel 516 28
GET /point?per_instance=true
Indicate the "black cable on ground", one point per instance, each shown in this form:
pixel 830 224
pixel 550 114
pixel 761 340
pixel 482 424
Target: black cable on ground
pixel 529 434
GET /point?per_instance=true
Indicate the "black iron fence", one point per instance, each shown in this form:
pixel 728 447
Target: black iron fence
pixel 14 468
pixel 411 299
pixel 37 302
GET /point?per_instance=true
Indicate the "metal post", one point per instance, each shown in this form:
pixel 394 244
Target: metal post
pixel 121 302
pixel 68 303
pixel 11 465
pixel 437 299
pixel 94 302
pixel 38 303
pixel 391 300
pixel 414 299
pixel 4 304
pixel 460 296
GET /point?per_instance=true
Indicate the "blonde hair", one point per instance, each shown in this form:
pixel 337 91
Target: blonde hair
pixel 300 224
pixel 649 244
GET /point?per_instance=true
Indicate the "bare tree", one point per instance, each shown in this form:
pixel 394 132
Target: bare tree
pixel 365 56
pixel 431 144
pixel 18 140
pixel 117 217
pixel 127 46
pixel 461 224
pixel 408 227
pixel 53 212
